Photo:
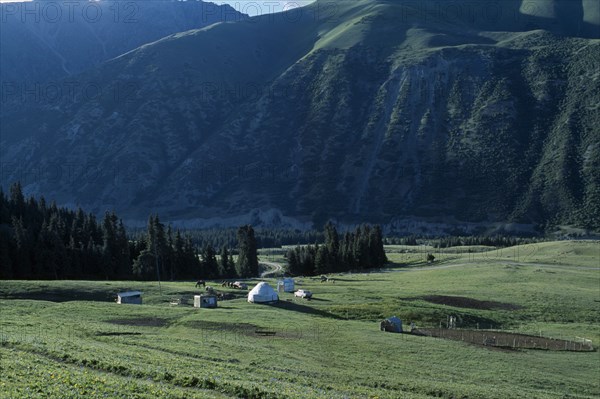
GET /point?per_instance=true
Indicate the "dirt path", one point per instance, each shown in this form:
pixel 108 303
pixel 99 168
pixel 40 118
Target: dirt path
pixel 274 269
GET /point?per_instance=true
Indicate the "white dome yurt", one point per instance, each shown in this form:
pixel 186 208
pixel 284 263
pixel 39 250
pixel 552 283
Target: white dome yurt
pixel 262 293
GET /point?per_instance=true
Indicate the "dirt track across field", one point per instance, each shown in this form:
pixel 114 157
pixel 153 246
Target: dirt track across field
pixel 274 269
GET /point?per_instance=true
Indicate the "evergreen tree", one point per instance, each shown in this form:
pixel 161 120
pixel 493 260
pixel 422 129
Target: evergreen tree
pixel 310 257
pixel 223 262
pixel 322 260
pixel 348 260
pixel 194 255
pixel 109 245
pixel 92 256
pixel 135 249
pixel 305 257
pixel 231 271
pixel 51 254
pixel 191 259
pixel 4 212
pixel 293 262
pixel 144 267
pixel 247 264
pixel 156 250
pixel 332 242
pixel 161 247
pixel 151 240
pixel 122 251
pixel 6 266
pixel 377 251
pixel 170 254
pixel 226 265
pixel 180 269
pixel 78 237
pixel 209 264
pixel 361 246
pixel 17 200
pixel 23 249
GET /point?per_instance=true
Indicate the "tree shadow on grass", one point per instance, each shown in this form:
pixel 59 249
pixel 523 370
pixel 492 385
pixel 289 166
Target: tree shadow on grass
pixel 296 307
pixel 64 295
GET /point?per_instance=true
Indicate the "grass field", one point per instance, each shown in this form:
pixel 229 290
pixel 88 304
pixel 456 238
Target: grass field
pixel 70 340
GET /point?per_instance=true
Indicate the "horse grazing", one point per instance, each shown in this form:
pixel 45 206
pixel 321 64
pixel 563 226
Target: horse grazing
pixel 200 283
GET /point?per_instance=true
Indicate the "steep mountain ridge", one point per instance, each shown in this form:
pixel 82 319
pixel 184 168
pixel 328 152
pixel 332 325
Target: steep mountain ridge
pixel 65 38
pixel 367 110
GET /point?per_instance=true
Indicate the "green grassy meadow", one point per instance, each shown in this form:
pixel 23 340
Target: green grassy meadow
pixel 69 339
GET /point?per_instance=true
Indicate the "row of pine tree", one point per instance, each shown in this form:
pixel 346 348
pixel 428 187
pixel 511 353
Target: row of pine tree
pixel 272 237
pixel 360 249
pixel 498 240
pixel 41 241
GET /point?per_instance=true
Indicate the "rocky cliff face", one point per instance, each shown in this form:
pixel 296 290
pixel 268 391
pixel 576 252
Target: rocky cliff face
pixel 370 110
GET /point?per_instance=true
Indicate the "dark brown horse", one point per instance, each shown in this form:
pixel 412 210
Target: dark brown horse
pixel 200 283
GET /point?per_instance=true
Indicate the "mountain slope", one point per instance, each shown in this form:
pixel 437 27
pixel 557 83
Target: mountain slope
pixel 359 110
pixel 65 38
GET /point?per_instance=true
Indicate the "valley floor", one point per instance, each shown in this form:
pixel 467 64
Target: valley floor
pixel 69 339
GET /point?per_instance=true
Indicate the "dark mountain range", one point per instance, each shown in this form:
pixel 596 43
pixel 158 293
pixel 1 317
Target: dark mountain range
pixel 48 40
pixel 375 110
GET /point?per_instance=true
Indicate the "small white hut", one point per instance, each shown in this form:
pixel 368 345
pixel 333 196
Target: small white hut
pixel 285 285
pixel 130 297
pixel 205 301
pixel 262 293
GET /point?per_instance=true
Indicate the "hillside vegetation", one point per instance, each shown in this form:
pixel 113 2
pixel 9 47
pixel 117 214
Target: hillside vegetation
pixel 371 109
pixel 72 335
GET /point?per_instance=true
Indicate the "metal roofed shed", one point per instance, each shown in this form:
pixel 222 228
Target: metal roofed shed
pixel 130 297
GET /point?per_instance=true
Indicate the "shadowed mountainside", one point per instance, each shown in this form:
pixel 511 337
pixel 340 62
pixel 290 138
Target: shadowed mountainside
pixel 371 109
pixel 48 40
